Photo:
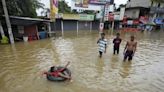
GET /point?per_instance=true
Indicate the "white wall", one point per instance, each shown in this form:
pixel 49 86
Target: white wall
pixel 132 13
pixel 139 3
pixel 122 13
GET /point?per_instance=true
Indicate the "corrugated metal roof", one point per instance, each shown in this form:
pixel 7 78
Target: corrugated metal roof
pixel 25 21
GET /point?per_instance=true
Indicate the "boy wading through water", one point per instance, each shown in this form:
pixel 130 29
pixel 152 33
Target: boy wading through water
pixel 130 49
pixel 102 42
pixel 116 42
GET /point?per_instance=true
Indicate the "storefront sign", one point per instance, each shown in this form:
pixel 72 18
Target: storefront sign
pixel 82 3
pixel 106 14
pixel 86 17
pixel 101 1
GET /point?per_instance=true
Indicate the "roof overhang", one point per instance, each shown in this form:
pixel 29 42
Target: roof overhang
pixel 26 21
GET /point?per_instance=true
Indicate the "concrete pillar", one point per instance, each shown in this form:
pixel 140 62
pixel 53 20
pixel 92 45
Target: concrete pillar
pixel 77 28
pixel 112 27
pixel 49 29
pixel 1 30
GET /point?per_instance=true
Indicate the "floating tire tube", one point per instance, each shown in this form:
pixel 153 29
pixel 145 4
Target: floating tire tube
pixel 52 78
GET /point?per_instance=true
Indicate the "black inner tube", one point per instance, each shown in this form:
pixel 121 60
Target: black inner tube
pixel 52 78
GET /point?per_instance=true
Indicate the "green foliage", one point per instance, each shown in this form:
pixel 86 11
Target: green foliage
pixel 26 8
pixel 63 7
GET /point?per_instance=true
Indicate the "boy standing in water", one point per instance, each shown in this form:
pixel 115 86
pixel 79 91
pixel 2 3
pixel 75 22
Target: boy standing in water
pixel 130 49
pixel 102 42
pixel 116 42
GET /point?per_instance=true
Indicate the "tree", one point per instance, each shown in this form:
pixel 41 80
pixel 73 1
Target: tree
pixel 45 12
pixel 63 7
pixel 26 8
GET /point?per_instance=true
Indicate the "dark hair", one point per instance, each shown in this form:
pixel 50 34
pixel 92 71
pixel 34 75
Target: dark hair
pixel 132 36
pixel 52 69
pixel 102 33
pixel 118 34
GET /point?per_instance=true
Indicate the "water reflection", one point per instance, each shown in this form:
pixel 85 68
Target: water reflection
pixel 100 67
pixel 114 62
pixel 125 69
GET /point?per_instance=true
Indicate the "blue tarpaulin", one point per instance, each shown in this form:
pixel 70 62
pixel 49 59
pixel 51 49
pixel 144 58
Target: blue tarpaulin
pixel 159 21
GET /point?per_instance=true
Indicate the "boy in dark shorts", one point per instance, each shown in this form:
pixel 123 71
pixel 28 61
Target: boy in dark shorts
pixel 116 42
pixel 102 42
pixel 130 49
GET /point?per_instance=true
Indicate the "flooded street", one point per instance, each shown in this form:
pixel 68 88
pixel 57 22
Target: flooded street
pixel 22 64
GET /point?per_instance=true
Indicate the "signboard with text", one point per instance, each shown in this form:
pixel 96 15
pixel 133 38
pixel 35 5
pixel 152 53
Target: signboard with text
pixel 86 17
pixel 106 13
pixel 82 3
pixel 101 1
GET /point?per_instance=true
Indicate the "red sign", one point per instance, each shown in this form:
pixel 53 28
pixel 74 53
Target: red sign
pixel 135 21
pixel 101 27
pixel 143 19
pixel 111 17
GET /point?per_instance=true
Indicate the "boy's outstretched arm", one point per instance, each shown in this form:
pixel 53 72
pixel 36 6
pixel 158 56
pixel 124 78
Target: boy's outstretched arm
pixel 67 64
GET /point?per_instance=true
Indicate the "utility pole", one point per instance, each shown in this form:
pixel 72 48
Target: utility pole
pixel 102 20
pixel 1 30
pixel 8 21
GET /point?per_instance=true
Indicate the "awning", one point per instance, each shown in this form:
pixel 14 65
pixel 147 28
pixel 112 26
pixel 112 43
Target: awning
pixel 26 21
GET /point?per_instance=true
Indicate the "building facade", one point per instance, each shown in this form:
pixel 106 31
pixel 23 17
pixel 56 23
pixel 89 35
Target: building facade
pixel 138 3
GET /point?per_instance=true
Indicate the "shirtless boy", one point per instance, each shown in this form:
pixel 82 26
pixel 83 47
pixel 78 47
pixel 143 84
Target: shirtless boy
pixel 130 49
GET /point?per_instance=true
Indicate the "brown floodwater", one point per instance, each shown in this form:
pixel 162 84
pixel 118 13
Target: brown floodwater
pixel 22 64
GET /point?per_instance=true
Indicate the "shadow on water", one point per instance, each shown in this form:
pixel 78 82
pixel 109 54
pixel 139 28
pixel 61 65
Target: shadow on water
pixel 100 66
pixel 125 69
pixel 114 62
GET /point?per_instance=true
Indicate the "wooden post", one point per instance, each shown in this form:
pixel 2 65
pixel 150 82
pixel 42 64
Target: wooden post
pixel 77 27
pixel 62 29
pixel 37 32
pixel 8 22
